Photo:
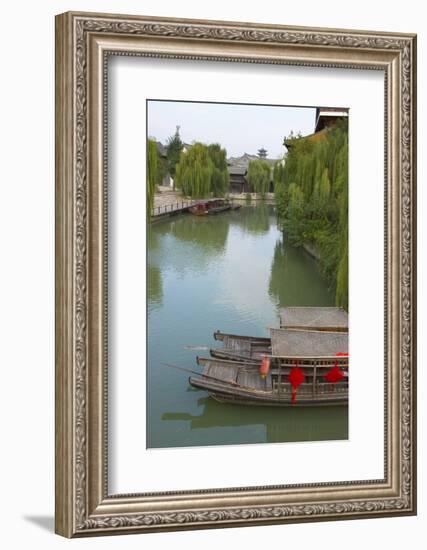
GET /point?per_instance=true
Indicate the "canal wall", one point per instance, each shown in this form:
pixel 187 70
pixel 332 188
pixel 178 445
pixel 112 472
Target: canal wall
pixel 312 250
pixel 255 197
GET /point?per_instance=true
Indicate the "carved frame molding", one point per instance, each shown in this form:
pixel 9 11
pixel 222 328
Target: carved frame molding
pixel 83 43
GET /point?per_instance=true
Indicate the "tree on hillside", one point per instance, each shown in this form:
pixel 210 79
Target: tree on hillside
pixel 258 176
pixel 174 149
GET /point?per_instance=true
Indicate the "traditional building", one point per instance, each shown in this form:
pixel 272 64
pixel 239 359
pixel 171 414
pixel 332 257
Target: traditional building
pixel 238 169
pixel 327 117
pixel 163 153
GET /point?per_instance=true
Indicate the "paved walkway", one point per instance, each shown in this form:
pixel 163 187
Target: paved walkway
pixel 166 196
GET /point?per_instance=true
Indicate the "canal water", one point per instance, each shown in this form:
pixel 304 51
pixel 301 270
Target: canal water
pixel 231 272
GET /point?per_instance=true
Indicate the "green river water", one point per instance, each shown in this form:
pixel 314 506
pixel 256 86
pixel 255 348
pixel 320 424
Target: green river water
pixel 231 272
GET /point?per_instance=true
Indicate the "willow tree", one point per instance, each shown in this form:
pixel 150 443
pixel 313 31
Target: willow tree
pixel 322 192
pixel 280 187
pixel 341 295
pixel 152 173
pixel 202 171
pixel 194 171
pixel 258 176
pixel 220 181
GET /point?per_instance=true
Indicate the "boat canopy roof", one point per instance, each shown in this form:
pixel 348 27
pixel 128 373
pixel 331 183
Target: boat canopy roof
pixel 332 318
pixel 307 343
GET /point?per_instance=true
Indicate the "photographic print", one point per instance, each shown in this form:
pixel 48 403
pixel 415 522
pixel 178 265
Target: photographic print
pixel 247 273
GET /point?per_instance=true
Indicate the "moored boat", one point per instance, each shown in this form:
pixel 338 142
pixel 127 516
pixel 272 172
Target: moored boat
pixel 219 209
pixel 218 205
pixel 212 206
pixel 332 319
pixel 199 209
pixel 241 348
pixel 312 365
pixel 242 383
pixel 281 342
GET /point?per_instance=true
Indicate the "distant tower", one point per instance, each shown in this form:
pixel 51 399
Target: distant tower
pixel 262 153
pixel 177 131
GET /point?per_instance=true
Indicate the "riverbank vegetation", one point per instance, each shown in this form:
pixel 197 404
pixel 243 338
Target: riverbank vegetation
pixel 152 173
pixel 157 169
pixel 311 193
pixel 202 171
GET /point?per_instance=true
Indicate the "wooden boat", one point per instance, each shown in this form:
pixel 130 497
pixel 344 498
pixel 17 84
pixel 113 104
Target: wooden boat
pixel 281 342
pixel 332 319
pixel 200 209
pixel 241 383
pixel 218 209
pixel 316 319
pixel 218 205
pixel 212 206
pixel 236 378
pixel 241 348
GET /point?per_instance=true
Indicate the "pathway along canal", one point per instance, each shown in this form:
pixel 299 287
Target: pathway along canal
pixel 230 272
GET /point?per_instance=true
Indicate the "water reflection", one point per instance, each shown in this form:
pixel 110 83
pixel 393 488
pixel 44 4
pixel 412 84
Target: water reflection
pixel 154 286
pixel 187 243
pixel 255 220
pixel 203 231
pixel 230 272
pixel 295 279
pixel 280 424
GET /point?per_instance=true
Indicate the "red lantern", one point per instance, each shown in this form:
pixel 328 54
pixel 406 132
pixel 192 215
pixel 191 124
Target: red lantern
pixel 265 366
pixel 296 377
pixel 335 374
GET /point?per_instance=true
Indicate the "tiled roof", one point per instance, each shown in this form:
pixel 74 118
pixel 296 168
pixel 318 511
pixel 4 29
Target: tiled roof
pixel 234 163
pixel 237 170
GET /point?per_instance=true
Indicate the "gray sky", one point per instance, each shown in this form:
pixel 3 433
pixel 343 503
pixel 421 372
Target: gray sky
pixel 238 128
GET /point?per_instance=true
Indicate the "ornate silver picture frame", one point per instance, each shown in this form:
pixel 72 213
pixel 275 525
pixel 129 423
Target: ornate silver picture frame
pixel 84 506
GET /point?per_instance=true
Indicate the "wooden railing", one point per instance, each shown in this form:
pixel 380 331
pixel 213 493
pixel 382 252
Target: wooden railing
pixel 318 388
pixel 173 207
pixel 314 369
pixel 180 206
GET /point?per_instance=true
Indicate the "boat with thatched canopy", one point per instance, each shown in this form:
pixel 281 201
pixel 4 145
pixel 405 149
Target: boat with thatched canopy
pixel 313 319
pixel 292 367
pixel 331 319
